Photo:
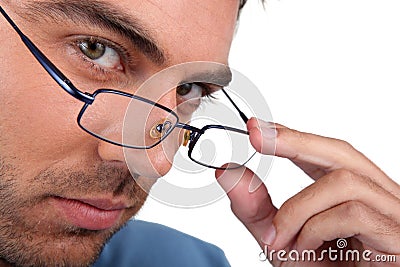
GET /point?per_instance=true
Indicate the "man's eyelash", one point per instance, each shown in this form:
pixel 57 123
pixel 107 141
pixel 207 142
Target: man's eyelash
pixel 207 97
pixel 93 66
pixel 207 90
pixel 126 58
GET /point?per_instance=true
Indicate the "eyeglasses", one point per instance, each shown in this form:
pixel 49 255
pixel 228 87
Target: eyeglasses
pixel 153 122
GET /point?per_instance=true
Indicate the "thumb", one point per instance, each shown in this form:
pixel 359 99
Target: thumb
pixel 253 208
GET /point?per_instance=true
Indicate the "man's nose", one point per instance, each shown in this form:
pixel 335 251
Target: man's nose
pixel 111 152
pixel 154 162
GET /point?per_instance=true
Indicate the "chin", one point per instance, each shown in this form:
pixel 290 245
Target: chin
pixel 76 248
pixel 72 247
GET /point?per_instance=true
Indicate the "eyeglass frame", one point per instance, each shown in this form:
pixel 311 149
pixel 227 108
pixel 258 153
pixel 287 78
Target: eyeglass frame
pixel 88 99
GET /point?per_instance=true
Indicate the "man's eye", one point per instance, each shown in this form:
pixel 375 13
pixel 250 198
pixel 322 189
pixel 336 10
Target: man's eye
pixel 101 54
pixel 189 97
pixel 189 91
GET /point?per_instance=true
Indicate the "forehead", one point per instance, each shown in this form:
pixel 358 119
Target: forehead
pixel 185 30
pixel 199 29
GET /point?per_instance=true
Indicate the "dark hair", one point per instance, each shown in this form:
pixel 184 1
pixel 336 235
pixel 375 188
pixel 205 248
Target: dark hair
pixel 242 3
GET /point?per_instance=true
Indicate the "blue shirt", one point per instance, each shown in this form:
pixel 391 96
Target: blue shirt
pixel 145 244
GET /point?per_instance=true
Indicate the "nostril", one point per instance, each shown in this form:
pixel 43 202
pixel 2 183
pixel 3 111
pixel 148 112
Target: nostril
pixel 111 153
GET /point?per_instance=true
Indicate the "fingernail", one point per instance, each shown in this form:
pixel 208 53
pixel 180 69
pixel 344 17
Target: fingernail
pixel 269 236
pixel 265 123
pixel 260 123
pixel 268 132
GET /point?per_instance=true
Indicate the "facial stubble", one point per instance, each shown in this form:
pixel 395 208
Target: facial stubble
pixel 27 240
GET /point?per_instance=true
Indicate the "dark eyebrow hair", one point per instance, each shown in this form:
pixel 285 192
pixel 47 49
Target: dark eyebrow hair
pixel 220 77
pixel 100 15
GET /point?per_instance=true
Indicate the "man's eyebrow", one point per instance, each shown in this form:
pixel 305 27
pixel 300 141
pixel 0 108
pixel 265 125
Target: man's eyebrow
pixel 220 76
pixel 99 14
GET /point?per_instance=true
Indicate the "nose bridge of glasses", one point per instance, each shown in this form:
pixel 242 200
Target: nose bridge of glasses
pixel 161 119
pixel 146 123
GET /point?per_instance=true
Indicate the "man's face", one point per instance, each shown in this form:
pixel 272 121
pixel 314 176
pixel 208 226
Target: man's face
pixel 64 192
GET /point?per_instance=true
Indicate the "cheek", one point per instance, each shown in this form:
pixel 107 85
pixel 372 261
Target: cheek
pixel 152 163
pixel 37 116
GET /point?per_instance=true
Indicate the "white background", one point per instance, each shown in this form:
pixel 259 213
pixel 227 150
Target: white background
pixel 326 67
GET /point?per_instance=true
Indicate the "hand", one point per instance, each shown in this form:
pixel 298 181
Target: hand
pixel 350 198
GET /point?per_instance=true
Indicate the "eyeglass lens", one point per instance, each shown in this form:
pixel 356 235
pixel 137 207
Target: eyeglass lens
pixel 143 123
pixel 219 146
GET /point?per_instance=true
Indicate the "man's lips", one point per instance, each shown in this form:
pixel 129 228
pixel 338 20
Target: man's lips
pixel 91 214
pixel 104 204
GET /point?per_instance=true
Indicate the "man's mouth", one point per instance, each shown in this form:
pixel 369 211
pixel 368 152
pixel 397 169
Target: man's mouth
pixel 90 214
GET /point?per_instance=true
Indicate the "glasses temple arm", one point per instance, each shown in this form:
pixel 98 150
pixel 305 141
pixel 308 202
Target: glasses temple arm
pixel 242 115
pixel 54 72
pixel 188 127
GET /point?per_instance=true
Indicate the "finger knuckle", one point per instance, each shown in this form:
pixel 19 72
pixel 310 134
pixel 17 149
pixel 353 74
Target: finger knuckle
pixel 250 213
pixel 286 213
pixel 310 227
pixel 354 209
pixel 344 178
pixel 344 145
pixel 253 210
pixel 311 231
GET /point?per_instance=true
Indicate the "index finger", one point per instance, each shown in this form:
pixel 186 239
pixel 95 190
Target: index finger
pixel 313 152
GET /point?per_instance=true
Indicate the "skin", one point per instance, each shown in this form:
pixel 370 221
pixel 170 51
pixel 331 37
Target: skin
pixel 43 152
pixel 350 198
pixel 49 155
